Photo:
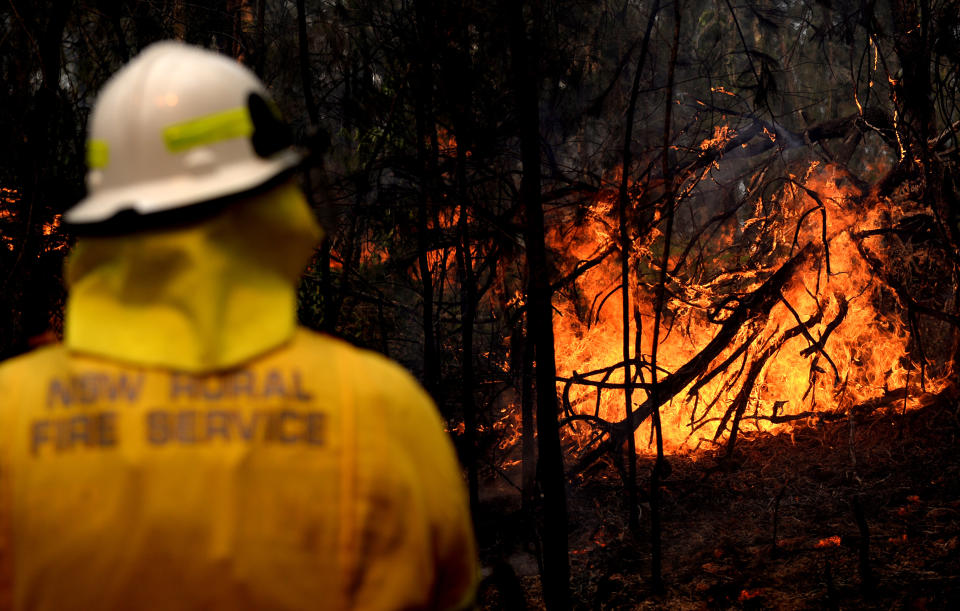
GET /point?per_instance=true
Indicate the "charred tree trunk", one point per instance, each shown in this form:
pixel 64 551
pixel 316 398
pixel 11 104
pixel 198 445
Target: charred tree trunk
pixel 916 41
pixel 911 22
pixel 527 424
pixel 261 38
pixel 625 248
pixel 468 282
pixel 656 555
pixel 556 566
pixel 328 321
pixel 179 20
pixel 468 316
pixel 424 130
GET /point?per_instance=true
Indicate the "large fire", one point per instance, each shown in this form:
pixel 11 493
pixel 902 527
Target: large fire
pixel 832 339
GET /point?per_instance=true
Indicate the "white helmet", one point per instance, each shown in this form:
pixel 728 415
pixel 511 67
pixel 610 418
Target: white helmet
pixel 176 127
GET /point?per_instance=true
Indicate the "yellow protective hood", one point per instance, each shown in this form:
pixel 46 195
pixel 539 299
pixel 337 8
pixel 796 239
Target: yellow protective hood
pixel 197 298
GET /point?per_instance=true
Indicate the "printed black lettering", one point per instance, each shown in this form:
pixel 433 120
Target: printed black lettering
pixel 187 427
pixel 273 385
pixel 79 430
pixel 127 388
pixel 107 429
pixel 299 392
pixel 39 434
pixel 315 426
pixel 158 427
pixel 283 418
pixel 242 384
pixel 93 388
pixel 62 428
pixel 87 387
pixel 247 430
pixel 212 389
pixel 182 384
pixel 57 392
pixel 191 427
pixel 218 424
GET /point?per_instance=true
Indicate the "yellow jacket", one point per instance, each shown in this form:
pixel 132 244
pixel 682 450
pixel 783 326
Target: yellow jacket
pixel 312 475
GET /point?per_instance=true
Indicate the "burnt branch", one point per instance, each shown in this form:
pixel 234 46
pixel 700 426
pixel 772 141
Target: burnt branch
pixel 723 366
pixel 813 343
pixel 823 218
pixel 755 305
pixel 831 326
pixel 739 404
pixel 582 267
pixel 728 385
pixel 888 399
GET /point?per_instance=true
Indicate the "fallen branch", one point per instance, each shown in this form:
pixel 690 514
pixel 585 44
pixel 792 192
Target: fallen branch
pixel 739 404
pixel 860 410
pixel 755 305
pixel 831 326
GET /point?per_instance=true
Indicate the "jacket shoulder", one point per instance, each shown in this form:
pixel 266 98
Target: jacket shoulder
pixel 40 359
pixel 380 384
pixel 372 369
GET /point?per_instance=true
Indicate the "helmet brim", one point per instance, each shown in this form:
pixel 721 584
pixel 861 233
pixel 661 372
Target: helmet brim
pixel 123 205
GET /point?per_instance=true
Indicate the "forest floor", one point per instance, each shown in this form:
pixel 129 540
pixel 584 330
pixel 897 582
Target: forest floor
pixel 781 525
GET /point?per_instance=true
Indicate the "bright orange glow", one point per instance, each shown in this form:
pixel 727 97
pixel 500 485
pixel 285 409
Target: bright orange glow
pixel 372 253
pixel 833 541
pixel 846 352
pixel 7 197
pixel 748 594
pixel 721 135
pixel 55 240
pixel 49 228
pixel 447 142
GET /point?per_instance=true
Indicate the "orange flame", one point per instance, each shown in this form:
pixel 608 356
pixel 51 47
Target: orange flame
pixel 721 135
pixel 749 594
pixel 824 346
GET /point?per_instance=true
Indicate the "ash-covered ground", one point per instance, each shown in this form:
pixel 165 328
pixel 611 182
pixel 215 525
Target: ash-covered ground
pixel 779 524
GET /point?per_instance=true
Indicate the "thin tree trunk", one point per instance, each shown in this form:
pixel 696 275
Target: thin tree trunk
pixel 468 292
pixel 527 423
pixel 305 79
pixel 242 20
pixel 328 320
pixel 655 511
pixel 261 53
pixel 424 124
pixel 179 20
pixel 468 316
pixel 556 565
pixel 623 198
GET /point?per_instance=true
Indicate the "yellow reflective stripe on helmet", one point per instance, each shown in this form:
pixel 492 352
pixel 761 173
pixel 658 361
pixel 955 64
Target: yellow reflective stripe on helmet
pixel 234 123
pixel 98 154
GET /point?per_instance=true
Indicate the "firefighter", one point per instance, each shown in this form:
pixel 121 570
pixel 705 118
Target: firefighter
pixel 188 446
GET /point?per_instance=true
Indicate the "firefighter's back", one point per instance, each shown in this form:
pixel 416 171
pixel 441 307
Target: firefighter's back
pixel 315 476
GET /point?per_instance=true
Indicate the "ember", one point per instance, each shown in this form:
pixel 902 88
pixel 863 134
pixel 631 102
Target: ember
pixel 749 594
